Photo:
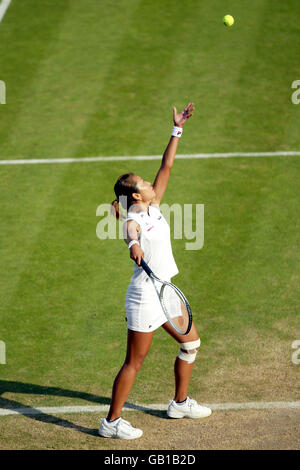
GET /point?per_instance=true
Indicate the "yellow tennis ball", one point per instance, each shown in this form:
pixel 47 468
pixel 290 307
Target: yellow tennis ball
pixel 228 20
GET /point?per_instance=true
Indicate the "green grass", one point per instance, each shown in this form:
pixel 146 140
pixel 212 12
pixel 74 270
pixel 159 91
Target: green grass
pixel 100 78
pixel 62 314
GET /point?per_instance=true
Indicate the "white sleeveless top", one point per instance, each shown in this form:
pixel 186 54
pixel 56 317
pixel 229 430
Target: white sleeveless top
pixel 156 243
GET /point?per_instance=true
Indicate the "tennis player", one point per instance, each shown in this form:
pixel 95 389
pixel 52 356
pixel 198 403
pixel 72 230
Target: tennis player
pixel 147 235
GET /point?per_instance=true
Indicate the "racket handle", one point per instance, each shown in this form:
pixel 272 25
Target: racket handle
pixel 146 267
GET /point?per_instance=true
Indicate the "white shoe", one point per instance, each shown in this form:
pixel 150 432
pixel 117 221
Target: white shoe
pixel 188 409
pixel 118 429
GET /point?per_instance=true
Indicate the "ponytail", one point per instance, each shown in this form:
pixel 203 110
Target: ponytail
pixel 115 209
pixel 124 188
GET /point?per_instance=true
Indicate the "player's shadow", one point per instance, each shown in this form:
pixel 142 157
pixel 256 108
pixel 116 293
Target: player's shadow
pixel 7 386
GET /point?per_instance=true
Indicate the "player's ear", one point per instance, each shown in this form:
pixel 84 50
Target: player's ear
pixel 136 196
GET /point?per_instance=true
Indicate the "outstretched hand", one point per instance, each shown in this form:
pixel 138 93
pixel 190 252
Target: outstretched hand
pixel 181 118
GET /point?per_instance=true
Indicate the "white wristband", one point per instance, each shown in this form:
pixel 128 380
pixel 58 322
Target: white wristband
pixel 176 131
pixel 133 242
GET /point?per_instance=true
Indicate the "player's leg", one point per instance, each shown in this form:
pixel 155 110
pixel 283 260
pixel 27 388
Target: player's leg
pixel 182 406
pixel 138 345
pixel 185 360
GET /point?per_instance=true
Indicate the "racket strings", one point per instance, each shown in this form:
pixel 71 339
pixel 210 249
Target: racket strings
pixel 175 308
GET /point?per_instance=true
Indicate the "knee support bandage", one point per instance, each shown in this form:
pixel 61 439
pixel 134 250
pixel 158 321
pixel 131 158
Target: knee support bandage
pixel 188 351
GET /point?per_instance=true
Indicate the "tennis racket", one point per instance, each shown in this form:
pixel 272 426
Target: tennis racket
pixel 173 302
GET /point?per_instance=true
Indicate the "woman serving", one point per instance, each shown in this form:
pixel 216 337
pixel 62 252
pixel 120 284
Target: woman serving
pixel 147 235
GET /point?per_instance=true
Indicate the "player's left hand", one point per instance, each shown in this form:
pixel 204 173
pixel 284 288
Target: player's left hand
pixel 181 118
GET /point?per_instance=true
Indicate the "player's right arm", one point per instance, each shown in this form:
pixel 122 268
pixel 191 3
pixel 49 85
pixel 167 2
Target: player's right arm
pixel 163 175
pixel 132 232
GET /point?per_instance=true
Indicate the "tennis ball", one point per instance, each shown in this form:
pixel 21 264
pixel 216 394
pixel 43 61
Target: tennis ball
pixel 228 20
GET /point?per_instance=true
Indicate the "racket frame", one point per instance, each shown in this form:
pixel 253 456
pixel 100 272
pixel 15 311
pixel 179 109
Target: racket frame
pixel 154 278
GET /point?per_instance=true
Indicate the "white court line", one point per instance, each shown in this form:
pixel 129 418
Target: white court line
pixel 3 7
pixel 259 405
pixel 34 161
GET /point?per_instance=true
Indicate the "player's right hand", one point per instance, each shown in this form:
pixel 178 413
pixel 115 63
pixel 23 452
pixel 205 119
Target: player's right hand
pixel 136 253
pixel 180 118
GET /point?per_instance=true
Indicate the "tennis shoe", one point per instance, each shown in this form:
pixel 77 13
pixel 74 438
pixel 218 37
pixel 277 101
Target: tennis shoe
pixel 187 409
pixel 118 429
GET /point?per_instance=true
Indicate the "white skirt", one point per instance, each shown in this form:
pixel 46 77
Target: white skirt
pixel 143 310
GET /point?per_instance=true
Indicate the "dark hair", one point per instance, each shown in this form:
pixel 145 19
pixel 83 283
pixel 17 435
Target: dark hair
pixel 124 186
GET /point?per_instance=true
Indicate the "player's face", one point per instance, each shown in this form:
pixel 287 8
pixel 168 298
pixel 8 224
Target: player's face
pixel 145 189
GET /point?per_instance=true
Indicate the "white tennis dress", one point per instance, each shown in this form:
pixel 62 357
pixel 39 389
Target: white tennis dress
pixel 143 309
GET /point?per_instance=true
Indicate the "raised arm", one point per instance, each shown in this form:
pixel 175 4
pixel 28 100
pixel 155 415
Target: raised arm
pixel 162 177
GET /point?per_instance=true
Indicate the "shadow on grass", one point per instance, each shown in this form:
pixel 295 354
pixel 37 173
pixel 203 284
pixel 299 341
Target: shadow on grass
pixel 37 415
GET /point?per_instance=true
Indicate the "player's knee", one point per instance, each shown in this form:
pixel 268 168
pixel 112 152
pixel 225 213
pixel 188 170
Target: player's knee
pixel 188 351
pixel 136 362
